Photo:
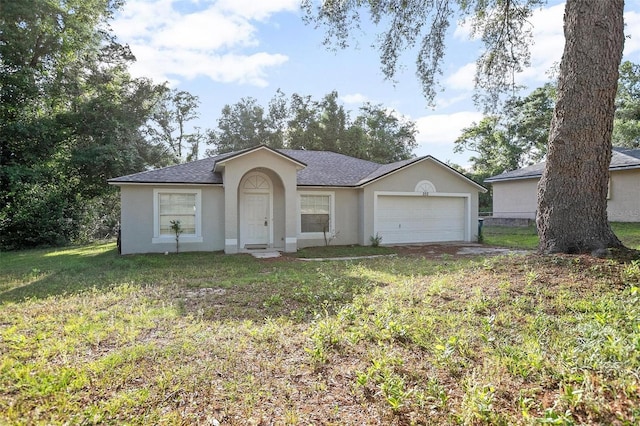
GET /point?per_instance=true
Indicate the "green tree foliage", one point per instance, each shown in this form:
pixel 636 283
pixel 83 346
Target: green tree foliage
pixel 516 138
pixel 519 136
pixel 380 135
pixel 493 150
pixel 70 118
pixel 527 120
pixel 626 125
pixel 374 134
pixel 169 125
pixel 240 126
pixel 276 120
pixel 105 130
pixel 303 126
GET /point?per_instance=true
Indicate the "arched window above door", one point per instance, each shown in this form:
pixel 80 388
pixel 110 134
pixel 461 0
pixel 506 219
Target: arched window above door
pixel 256 181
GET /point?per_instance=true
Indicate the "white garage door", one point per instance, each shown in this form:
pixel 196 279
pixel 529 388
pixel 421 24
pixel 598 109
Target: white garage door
pixel 407 219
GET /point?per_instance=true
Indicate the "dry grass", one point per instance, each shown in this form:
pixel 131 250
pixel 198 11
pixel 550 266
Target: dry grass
pixel 402 340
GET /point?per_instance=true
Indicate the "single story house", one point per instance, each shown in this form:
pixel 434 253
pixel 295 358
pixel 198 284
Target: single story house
pixel 282 199
pixel 515 192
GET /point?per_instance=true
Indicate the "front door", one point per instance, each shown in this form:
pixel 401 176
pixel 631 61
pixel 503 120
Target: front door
pixel 256 219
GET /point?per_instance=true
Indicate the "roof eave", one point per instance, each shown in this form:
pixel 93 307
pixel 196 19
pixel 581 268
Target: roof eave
pixel 219 165
pixel 632 167
pixel 117 183
pixel 539 175
pixel 315 185
pixel 493 180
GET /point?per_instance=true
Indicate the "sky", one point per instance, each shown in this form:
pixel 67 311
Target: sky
pixel 224 50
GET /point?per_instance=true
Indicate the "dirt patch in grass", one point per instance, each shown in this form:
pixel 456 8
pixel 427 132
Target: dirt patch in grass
pixel 427 251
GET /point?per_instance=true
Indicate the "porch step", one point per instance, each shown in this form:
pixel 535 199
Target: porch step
pixel 255 246
pixel 265 254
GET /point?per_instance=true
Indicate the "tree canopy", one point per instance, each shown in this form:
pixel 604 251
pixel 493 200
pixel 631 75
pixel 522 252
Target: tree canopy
pixel 374 134
pixel 517 136
pixel 71 117
pixel 502 26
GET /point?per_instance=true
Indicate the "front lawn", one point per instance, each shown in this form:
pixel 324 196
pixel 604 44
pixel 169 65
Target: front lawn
pixel 527 237
pixel 90 337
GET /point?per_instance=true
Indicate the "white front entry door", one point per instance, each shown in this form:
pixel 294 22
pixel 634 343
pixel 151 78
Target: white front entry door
pixel 257 221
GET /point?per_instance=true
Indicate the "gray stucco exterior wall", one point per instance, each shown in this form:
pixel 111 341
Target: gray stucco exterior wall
pixel 137 224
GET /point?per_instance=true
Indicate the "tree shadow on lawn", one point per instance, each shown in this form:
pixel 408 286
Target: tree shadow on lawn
pixel 291 288
pixel 209 286
pixel 39 274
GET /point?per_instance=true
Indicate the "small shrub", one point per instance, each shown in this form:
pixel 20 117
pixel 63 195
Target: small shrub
pixel 375 241
pixel 177 228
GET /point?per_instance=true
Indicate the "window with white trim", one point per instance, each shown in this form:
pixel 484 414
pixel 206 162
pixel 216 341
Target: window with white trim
pixel 177 205
pixel 316 213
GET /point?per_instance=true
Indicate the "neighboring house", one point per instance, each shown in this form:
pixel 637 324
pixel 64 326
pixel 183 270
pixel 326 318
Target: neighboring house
pixel 262 198
pixel 515 192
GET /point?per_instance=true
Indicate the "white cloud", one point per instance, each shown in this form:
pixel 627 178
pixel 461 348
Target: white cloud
pixel 444 128
pixel 354 98
pixel 206 30
pixel 463 78
pixel 442 102
pixel 175 39
pixel 140 18
pixel 463 30
pixel 260 10
pixel 161 64
pixel 632 30
pixel 548 43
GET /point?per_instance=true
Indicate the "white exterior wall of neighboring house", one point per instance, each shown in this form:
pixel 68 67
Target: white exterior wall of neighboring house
pixel 137 219
pixel 624 196
pixel 345 222
pixel 515 198
pixel 518 198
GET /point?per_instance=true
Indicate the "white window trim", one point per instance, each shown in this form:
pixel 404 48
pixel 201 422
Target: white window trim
pixel 332 215
pixel 184 238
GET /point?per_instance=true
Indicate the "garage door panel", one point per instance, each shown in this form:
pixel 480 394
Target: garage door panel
pixel 404 219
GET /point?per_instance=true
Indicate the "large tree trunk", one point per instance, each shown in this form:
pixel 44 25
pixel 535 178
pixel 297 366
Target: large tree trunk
pixel 572 194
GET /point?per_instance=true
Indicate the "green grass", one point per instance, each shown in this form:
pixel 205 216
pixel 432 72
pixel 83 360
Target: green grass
pixel 90 337
pixel 527 238
pixel 629 233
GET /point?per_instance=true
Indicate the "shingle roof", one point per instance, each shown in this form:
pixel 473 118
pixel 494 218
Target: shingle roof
pixel 323 168
pixel 388 168
pixel 621 159
pixel 326 168
pixel 197 172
